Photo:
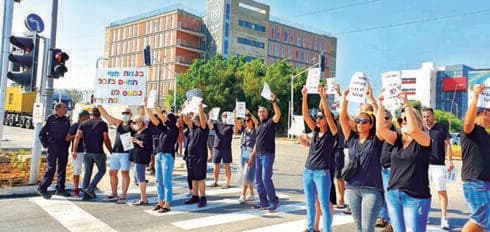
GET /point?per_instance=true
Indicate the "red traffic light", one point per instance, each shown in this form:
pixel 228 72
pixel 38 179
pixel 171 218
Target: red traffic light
pixel 61 57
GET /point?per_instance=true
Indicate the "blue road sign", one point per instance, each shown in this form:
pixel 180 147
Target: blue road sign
pixel 34 23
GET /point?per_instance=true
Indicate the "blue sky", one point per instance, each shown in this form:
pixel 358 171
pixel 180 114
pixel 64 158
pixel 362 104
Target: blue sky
pixel 405 34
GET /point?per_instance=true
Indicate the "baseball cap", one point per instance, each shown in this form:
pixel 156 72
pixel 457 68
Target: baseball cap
pixel 126 110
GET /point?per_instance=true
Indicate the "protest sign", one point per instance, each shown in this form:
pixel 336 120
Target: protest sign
pixel 126 141
pixel 297 125
pixel 313 80
pixel 357 88
pixel 152 99
pixel 214 113
pixel 266 92
pixel 240 109
pixel 192 93
pixel 391 85
pixel 484 99
pixel 192 105
pixel 331 84
pixel 227 118
pixel 124 86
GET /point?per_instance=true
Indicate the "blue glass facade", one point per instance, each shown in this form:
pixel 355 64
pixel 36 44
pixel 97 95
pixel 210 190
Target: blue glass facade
pixel 444 98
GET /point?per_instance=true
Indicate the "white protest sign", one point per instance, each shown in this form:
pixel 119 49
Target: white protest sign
pixel 227 117
pixel 193 105
pixel 297 125
pixel 313 80
pixel 240 109
pixel 484 99
pixel 451 176
pixel 152 99
pixel 357 87
pixel 331 84
pixel 266 92
pixel 38 113
pixel 214 113
pixel 126 141
pixel 124 86
pixel 392 84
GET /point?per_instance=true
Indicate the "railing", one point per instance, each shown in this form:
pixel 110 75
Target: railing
pixel 190 27
pixel 184 43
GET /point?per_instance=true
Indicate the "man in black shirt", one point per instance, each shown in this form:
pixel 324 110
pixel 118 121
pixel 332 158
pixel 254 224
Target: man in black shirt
pixel 222 149
pixel 263 155
pixel 475 172
pixel 437 170
pixel 94 132
pixel 77 161
pixel 52 137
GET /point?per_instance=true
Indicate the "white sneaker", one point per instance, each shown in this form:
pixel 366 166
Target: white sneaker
pixel 445 224
pixel 241 200
pixel 250 197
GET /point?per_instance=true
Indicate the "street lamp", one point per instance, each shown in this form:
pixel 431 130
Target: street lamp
pixel 452 100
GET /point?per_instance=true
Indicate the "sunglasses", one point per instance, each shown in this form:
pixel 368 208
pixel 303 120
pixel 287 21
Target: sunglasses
pixel 362 121
pixel 247 120
pixel 319 117
pixel 387 118
pixel 126 113
pixel 400 120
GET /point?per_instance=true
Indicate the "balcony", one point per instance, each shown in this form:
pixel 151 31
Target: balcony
pixel 193 47
pixel 190 29
pixel 184 61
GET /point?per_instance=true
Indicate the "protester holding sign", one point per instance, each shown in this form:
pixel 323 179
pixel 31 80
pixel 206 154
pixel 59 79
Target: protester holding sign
pixel 408 197
pixel 119 159
pixel 362 173
pixel 196 155
pixel 247 143
pixel 141 155
pixel 263 155
pixel 222 148
pixel 475 171
pixel 316 176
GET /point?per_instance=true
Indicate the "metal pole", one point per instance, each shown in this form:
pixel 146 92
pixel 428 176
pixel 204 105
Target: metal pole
pixel 175 92
pixel 36 143
pixel 49 88
pixel 159 82
pixel 8 10
pixel 290 119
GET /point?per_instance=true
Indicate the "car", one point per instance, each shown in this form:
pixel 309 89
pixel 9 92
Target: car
pixel 455 138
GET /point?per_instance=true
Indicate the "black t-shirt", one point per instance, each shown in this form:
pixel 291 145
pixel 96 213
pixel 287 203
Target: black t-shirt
pixel 142 155
pixel 223 137
pixel 247 141
pixel 409 169
pixel 168 137
pixel 266 135
pixel 321 150
pixel 73 131
pixel 386 152
pixel 476 155
pixel 370 151
pixel 198 139
pixel 93 130
pixel 121 129
pixel 340 137
pixel 438 133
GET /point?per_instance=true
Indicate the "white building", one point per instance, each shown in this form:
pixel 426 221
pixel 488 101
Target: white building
pixel 420 84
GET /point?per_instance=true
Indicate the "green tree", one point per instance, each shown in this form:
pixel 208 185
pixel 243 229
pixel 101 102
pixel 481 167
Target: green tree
pixel 447 119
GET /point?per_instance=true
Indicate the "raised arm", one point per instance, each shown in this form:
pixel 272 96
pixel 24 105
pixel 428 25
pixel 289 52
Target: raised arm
pixel 238 125
pixel 417 133
pixel 277 110
pixel 306 116
pixel 161 116
pixel 152 117
pixel 202 116
pixel 328 115
pixel 382 132
pixel 369 96
pixel 344 117
pixel 187 120
pixel 112 120
pixel 469 118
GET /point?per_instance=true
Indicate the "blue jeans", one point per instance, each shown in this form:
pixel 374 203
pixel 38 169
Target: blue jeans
pixel 364 204
pixel 385 177
pixel 477 194
pixel 407 213
pixel 164 164
pixel 263 179
pixel 88 161
pixel 317 182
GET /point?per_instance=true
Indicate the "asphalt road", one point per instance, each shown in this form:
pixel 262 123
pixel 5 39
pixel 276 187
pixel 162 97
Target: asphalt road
pixel 223 213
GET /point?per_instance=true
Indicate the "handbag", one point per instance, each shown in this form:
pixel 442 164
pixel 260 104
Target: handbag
pixel 354 165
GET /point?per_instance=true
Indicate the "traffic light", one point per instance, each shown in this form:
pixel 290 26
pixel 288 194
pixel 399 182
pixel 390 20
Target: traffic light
pixel 147 55
pixel 323 61
pixel 24 61
pixel 58 60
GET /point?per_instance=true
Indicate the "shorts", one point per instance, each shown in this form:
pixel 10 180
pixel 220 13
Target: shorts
pixel 210 142
pixel 119 161
pixel 221 155
pixel 477 194
pixel 77 164
pixel 437 177
pixel 197 168
pixel 140 172
pixel 339 162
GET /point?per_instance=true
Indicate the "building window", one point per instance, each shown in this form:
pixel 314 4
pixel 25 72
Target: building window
pixel 227 11
pixel 250 42
pixel 278 33
pixel 227 29
pixel 276 50
pixel 250 25
pixel 286 35
pixel 225 47
pixel 271 48
pixel 272 32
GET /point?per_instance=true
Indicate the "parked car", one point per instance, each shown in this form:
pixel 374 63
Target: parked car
pixel 455 139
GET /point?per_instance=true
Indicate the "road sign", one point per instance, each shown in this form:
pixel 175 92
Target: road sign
pixel 34 23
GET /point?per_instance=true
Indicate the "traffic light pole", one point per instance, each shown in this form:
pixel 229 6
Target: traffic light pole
pixel 8 11
pixel 50 85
